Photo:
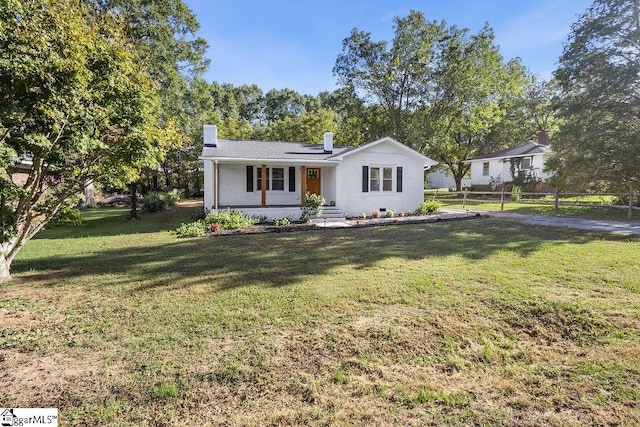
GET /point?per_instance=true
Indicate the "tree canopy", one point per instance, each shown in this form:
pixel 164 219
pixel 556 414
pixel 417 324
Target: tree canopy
pixel 598 145
pixel 441 89
pixel 77 104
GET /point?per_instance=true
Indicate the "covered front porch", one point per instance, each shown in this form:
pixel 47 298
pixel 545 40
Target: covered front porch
pixel 268 189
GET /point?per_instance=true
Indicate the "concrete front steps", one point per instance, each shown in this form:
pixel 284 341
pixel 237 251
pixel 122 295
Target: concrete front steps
pixel 331 217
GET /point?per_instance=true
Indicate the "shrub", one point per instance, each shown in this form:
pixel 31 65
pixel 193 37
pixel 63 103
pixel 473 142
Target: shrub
pixel 375 214
pixel 516 193
pixel 401 214
pixel 389 214
pixel 229 219
pixel 156 201
pixel 191 229
pixel 281 222
pixel 428 207
pixel 66 215
pixel 362 215
pixel 312 206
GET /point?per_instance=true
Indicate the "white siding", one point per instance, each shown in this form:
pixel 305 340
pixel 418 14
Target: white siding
pixel 501 168
pixel 349 194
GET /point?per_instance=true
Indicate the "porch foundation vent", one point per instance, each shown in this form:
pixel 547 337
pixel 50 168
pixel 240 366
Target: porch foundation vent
pixel 328 142
pixel 210 133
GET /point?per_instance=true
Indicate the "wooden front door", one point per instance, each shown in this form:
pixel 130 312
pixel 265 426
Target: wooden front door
pixel 313 181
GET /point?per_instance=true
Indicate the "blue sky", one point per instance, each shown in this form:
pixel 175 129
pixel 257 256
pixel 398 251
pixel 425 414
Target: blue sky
pixel 294 44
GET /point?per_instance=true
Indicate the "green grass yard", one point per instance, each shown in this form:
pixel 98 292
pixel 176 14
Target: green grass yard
pixel 477 322
pixel 601 211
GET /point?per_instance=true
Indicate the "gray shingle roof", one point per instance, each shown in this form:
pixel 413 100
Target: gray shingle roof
pixel 270 150
pixel 527 149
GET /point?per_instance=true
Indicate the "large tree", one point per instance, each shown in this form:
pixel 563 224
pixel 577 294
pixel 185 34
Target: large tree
pixel 164 35
pixel 76 105
pixel 474 90
pixel 598 145
pixel 440 89
pixel 396 76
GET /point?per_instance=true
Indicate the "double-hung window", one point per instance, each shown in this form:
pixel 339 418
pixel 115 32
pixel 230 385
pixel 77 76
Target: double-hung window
pixel 380 179
pixel 275 179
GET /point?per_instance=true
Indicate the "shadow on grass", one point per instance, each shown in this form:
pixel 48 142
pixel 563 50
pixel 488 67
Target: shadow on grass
pixel 280 259
pixel 99 222
pixel 586 212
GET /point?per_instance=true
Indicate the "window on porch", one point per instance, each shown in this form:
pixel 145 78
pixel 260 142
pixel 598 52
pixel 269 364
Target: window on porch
pixel 275 179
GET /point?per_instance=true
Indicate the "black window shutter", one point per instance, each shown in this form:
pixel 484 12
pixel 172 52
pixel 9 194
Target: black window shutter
pixel 292 178
pixel 249 179
pixel 365 179
pixel 399 179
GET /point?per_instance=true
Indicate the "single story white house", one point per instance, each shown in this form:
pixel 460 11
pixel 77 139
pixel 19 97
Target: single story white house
pixel 495 168
pixel 270 179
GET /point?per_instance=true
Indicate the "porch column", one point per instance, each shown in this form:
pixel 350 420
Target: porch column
pixel 209 185
pixel 263 186
pixel 303 183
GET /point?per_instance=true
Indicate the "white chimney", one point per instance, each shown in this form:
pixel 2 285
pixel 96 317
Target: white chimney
pixel 328 142
pixel 210 133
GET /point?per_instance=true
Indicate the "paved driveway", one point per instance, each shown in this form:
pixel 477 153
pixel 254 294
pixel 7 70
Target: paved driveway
pixel 621 227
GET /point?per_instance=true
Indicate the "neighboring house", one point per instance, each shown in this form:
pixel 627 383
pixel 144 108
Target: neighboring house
pixel 271 178
pixel 528 159
pixel 442 178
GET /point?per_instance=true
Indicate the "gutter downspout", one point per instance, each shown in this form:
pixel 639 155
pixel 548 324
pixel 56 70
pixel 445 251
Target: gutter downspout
pixel 216 190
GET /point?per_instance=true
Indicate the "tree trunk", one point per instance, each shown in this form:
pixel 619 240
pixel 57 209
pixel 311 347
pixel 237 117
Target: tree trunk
pixel 5 267
pixel 89 200
pixel 133 188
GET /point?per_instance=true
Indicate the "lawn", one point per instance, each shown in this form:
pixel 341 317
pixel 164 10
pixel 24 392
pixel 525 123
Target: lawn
pixel 590 210
pixel 475 322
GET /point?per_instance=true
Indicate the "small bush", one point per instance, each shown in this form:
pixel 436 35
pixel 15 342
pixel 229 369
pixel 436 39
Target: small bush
pixel 157 201
pixel 362 215
pixel 401 214
pixel 191 229
pixel 281 222
pixel 375 214
pixel 428 207
pixel 230 219
pixel 516 193
pixel 389 214
pixel 312 206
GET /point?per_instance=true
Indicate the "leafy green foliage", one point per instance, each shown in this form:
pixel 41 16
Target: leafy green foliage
pixel 429 206
pixel 598 145
pixel 191 229
pixel 78 104
pixel 230 219
pixel 157 201
pixel 438 89
pixel 312 206
pixel 281 222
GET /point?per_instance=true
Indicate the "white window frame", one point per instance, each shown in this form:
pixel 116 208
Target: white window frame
pixel 380 180
pixel 270 179
pixel 530 166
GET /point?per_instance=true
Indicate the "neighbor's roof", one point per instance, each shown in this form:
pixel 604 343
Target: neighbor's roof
pixel 529 148
pixel 270 150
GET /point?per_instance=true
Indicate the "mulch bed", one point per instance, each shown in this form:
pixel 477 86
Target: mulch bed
pixel 354 223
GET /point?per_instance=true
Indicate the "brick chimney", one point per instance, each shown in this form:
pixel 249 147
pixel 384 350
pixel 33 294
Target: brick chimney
pixel 543 137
